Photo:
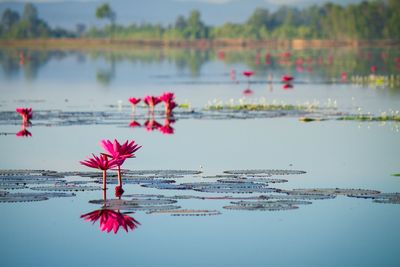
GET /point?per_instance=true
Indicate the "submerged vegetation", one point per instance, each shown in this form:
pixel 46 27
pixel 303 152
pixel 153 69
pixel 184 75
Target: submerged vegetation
pixel 328 21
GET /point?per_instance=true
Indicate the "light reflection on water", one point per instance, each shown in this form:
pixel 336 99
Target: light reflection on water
pixel 336 232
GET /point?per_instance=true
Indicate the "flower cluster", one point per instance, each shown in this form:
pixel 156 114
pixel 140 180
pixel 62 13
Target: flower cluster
pixel 117 153
pixel 152 101
pixel 26 114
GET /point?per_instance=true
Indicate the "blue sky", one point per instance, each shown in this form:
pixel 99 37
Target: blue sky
pixel 67 13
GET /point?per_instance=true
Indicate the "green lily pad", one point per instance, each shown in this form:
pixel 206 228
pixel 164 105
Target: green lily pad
pixel 187 212
pixel 70 187
pixel 267 172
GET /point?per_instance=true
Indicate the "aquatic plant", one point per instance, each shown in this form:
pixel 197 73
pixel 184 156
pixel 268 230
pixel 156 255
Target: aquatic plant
pixel 134 101
pixel 286 78
pixel 26 114
pixel 119 153
pixel 151 102
pixel 168 99
pixel 103 164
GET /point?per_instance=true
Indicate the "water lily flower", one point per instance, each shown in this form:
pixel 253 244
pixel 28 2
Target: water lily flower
pixel 151 101
pixel 168 99
pixel 248 73
pixel 111 220
pixel 287 78
pixel 119 152
pixel 101 163
pixel 26 114
pixel 134 101
pixel 374 68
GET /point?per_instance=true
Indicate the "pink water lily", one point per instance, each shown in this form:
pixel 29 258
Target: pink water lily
pixel 287 78
pixel 120 152
pixel 134 100
pixel 26 114
pixel 151 101
pixel 168 99
pixel 248 73
pixel 102 163
pixel 111 220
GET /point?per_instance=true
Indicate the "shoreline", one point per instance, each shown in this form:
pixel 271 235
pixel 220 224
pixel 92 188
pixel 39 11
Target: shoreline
pixel 234 44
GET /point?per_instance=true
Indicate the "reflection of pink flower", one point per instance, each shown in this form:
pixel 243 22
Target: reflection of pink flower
pixel 287 78
pixel 134 124
pixel 102 162
pixel 26 114
pixel 23 133
pixel 111 220
pixel 167 128
pixel 247 92
pixel 151 125
pixel 118 151
pixel 287 86
pixel 134 101
pixel 248 73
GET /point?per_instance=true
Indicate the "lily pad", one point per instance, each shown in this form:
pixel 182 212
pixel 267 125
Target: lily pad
pixel 238 190
pixel 267 172
pixel 163 186
pixel 11 186
pixel 28 197
pixel 331 191
pixel 164 172
pixel 187 212
pixel 273 206
pixel 123 203
pixel 70 187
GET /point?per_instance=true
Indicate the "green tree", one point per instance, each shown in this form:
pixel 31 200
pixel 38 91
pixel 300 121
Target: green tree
pixel 104 11
pixel 195 27
pixel 9 19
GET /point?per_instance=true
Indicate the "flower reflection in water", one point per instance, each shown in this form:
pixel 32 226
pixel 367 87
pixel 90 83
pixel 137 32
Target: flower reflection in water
pixel 151 125
pixel 26 114
pixel 167 128
pixel 23 133
pixel 111 219
pixel 134 124
pixel 247 92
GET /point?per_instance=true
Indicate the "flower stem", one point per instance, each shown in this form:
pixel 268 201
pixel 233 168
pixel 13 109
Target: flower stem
pixel 119 177
pixel 104 180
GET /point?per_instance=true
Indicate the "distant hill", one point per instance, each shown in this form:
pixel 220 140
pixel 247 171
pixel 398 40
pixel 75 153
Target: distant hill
pixel 67 14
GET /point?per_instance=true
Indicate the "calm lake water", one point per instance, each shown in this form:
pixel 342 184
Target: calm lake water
pixel 342 231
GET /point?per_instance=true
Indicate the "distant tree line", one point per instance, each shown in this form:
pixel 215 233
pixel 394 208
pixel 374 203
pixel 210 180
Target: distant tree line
pixel 378 19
